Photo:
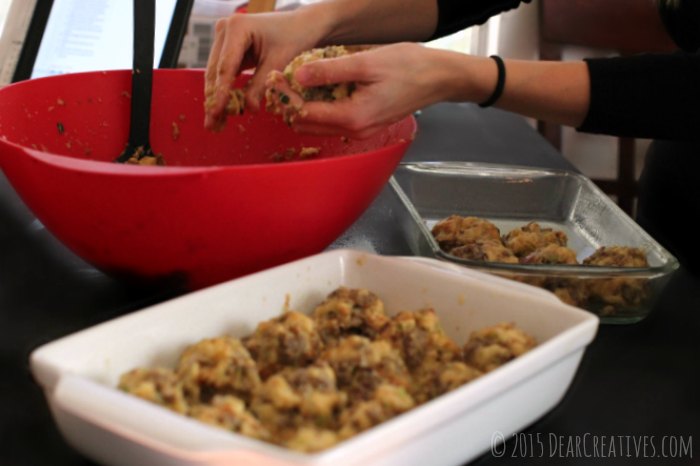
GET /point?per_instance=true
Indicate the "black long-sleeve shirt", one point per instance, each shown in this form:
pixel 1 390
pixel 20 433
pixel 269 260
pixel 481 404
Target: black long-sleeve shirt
pixel 455 15
pixel 648 95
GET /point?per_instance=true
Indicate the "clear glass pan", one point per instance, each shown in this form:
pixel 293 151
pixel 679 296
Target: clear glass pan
pixel 510 197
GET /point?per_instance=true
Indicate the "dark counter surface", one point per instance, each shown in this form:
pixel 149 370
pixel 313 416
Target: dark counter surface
pixel 636 384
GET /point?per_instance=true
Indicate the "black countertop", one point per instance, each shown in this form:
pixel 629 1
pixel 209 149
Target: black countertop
pixel 635 394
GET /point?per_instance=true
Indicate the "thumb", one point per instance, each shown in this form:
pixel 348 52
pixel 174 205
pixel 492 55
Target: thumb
pixel 333 71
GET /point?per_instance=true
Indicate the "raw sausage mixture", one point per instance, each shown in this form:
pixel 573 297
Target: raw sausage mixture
pixel 285 96
pixel 477 239
pixel 307 382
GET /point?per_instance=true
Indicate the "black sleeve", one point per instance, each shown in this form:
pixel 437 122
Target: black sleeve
pixel 647 96
pixel 455 15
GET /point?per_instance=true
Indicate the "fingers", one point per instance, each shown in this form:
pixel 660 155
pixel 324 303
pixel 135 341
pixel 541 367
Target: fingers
pixel 256 86
pixel 345 118
pixel 244 41
pixel 342 113
pixel 214 53
pixel 225 60
pixel 222 67
pixel 335 70
pixel 372 106
pixel 213 109
pixel 281 98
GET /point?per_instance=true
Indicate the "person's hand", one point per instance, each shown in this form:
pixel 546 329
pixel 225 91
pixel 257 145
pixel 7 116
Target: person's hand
pixel 265 41
pixel 392 82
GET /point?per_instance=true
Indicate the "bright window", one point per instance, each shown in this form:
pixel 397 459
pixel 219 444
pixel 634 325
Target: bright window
pixel 476 40
pixel 4 8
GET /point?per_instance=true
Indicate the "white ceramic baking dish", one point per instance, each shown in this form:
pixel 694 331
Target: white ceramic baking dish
pixel 79 372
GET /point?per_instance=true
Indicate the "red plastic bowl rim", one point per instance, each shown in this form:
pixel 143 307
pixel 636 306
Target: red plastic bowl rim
pixel 104 167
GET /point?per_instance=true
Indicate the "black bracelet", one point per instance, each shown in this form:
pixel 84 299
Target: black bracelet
pixel 500 83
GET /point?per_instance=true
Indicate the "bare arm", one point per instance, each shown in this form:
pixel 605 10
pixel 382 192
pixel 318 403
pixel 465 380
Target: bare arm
pixel 269 41
pixel 395 80
pixel 558 92
pixel 375 21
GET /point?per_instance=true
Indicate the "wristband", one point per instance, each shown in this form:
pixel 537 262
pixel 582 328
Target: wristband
pixel 500 83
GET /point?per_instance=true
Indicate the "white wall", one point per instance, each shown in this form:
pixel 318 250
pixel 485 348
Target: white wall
pixel 518 34
pixel 594 155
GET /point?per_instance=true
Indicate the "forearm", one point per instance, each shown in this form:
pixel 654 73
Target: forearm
pixel 372 21
pixel 396 80
pixel 558 92
pixel 383 21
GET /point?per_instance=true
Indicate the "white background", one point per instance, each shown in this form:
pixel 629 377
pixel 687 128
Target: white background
pixel 86 35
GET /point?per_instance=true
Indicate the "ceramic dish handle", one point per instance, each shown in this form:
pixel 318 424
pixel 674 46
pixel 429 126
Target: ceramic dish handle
pixel 482 276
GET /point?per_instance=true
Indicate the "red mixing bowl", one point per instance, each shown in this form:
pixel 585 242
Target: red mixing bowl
pixel 221 208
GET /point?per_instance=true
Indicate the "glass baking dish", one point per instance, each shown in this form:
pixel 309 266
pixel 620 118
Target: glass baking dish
pixel 510 197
